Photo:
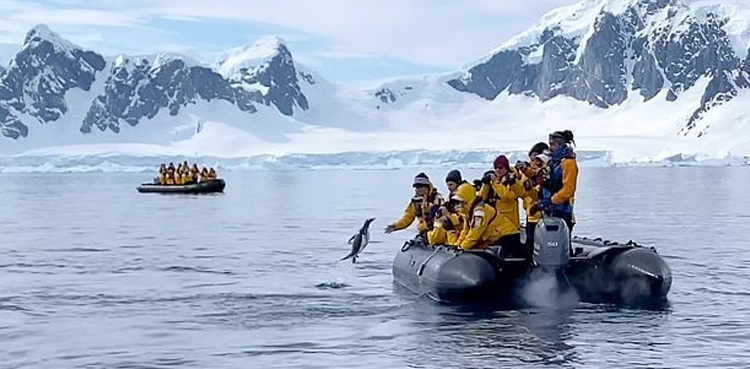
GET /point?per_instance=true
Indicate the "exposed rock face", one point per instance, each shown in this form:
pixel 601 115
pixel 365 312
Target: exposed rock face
pixel 650 46
pixel 33 88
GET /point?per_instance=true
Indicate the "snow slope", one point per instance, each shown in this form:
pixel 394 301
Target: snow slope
pixel 411 120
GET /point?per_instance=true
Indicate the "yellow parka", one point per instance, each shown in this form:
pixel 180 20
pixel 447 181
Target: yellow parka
pixel 419 209
pixel 443 233
pixel 505 197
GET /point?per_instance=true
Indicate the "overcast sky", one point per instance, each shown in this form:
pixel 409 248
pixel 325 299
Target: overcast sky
pixel 341 39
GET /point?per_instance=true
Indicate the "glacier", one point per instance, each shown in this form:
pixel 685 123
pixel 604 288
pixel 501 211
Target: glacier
pixel 363 160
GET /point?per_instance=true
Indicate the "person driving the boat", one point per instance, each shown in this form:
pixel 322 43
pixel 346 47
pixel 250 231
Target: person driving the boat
pixel 425 203
pixel 558 191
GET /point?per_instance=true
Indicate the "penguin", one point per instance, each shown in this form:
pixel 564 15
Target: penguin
pixel 359 241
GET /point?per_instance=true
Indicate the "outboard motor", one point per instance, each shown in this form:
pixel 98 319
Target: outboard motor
pixel 548 285
pixel 551 244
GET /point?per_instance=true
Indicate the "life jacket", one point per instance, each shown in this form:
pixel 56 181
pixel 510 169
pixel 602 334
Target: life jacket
pixel 555 183
pixel 433 203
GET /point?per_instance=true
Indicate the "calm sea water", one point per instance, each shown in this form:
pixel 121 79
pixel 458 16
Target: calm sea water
pixel 96 275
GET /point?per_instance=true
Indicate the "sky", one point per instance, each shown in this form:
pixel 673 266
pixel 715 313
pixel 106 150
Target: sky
pixel 341 39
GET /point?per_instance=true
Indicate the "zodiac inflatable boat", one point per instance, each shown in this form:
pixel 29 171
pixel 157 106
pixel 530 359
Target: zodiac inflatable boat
pixel 210 186
pixel 599 271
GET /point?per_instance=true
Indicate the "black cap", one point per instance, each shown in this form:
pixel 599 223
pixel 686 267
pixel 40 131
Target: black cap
pixel 454 176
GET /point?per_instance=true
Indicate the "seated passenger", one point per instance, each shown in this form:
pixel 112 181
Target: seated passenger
pixel 481 225
pixel 426 198
pixel 194 173
pixel 178 178
pixel 169 177
pixel 453 180
pixel 446 227
pixel 186 177
pixel 212 174
pixel 162 173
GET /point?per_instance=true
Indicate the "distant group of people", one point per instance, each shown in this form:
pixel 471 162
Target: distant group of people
pixel 184 174
pixel 486 212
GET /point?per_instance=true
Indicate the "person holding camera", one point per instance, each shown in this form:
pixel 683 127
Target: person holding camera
pixel 422 207
pixel 448 222
pixel 502 188
pixel 535 173
pixel 481 223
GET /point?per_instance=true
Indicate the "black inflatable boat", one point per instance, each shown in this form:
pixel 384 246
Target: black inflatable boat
pixel 598 271
pixel 211 186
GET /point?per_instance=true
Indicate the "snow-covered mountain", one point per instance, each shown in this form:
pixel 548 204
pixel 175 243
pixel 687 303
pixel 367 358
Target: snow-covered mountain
pixel 664 76
pixel 50 76
pixel 604 51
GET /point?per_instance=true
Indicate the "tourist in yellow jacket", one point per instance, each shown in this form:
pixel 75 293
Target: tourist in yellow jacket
pixel 422 207
pixel 481 223
pixel 535 173
pixel 448 226
pixel 212 174
pixel 502 188
pixel 446 229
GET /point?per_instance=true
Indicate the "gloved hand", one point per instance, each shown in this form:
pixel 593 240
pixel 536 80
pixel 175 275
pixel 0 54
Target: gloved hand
pixel 528 184
pixel 487 178
pixel 542 205
pixel 435 211
pixel 477 184
pixel 447 224
pixel 390 228
pixel 535 209
pixel 509 179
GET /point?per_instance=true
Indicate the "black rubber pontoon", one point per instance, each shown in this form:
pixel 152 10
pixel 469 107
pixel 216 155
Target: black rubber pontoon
pixel 599 271
pixel 211 186
pixel 605 271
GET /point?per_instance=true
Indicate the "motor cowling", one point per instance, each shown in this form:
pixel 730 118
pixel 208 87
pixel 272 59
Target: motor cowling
pixel 551 243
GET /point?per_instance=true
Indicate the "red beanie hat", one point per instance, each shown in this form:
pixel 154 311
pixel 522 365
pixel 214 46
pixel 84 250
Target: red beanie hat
pixel 501 162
